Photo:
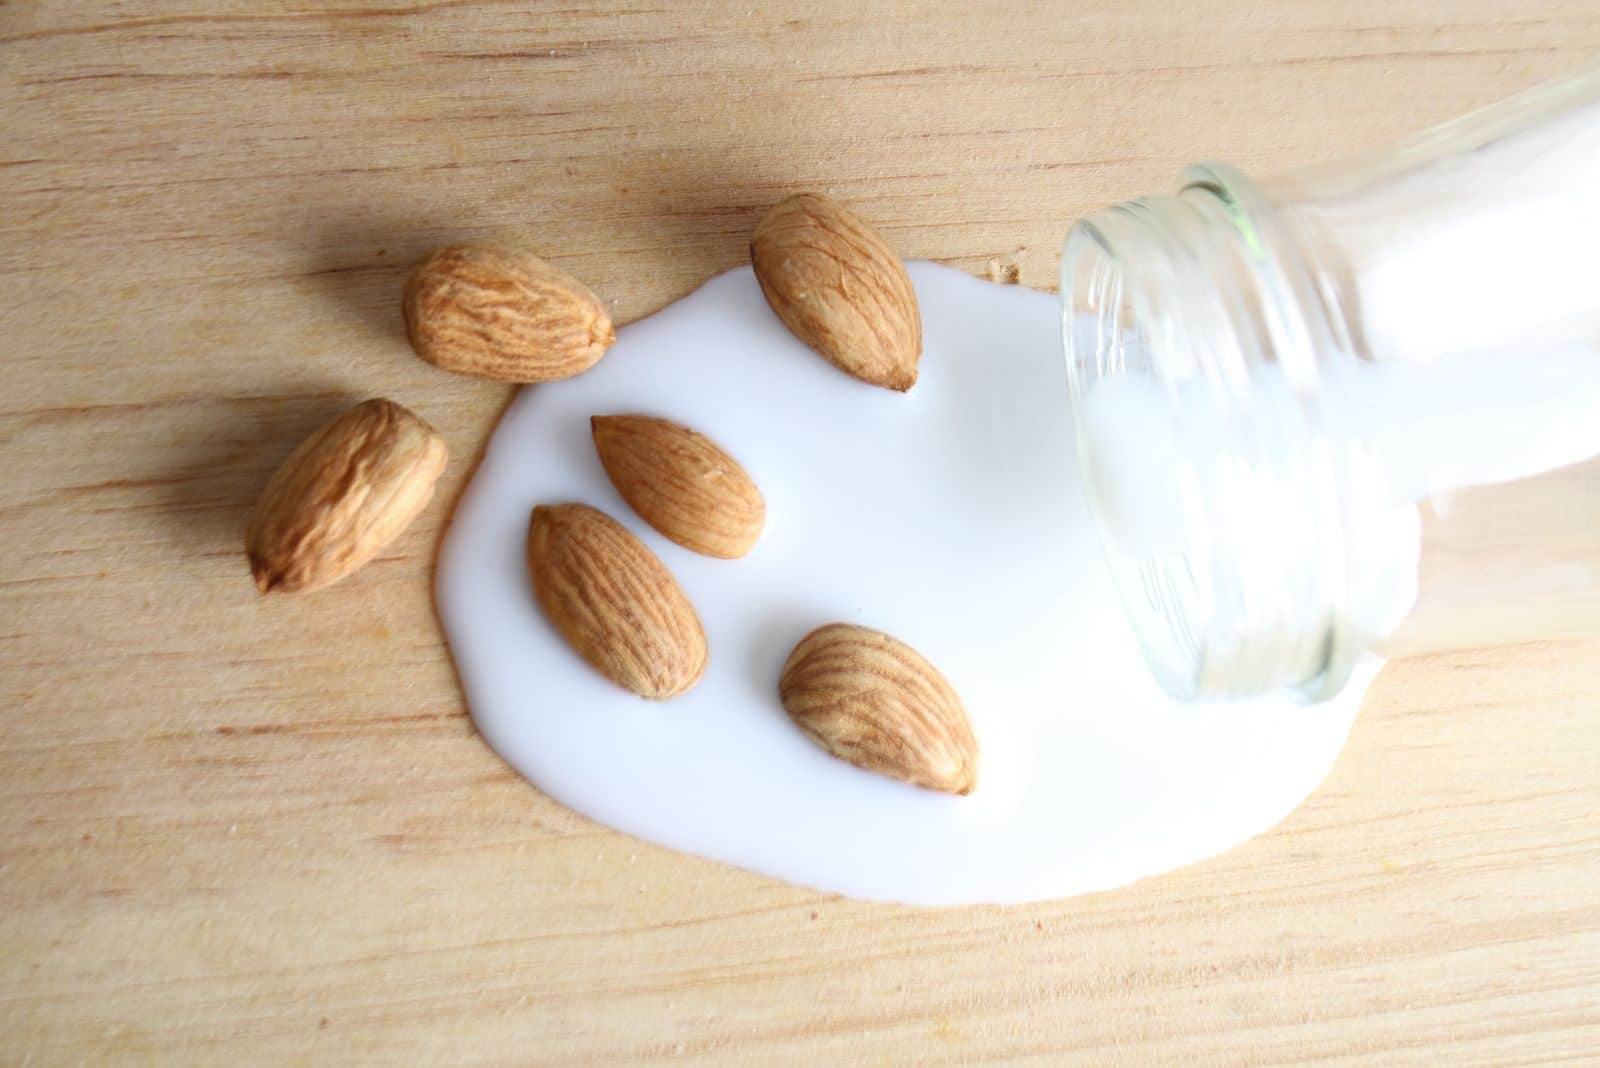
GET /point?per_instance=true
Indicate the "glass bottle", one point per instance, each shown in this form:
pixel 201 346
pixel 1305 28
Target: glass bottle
pixel 1352 410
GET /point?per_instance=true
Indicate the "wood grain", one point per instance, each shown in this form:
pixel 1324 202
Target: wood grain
pixel 262 830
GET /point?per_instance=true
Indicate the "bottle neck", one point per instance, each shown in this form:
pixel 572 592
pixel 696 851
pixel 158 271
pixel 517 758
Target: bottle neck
pixel 1267 383
pixel 1253 545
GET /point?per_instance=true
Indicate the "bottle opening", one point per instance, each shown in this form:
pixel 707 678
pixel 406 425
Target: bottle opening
pixel 1216 493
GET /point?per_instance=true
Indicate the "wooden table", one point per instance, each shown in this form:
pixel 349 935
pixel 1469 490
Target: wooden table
pixel 262 830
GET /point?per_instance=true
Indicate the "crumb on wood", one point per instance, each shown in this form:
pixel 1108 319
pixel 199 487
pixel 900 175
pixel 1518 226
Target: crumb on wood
pixel 1007 270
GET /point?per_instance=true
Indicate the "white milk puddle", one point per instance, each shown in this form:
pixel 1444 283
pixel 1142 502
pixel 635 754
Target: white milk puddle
pixel 951 517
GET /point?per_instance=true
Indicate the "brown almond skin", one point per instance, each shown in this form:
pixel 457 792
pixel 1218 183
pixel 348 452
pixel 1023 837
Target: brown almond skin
pixel 346 492
pixel 503 314
pixel 681 483
pixel 875 702
pixel 614 601
pixel 839 288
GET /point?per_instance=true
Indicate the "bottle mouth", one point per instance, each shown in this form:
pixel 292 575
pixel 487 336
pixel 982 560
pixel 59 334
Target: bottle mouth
pixel 1193 359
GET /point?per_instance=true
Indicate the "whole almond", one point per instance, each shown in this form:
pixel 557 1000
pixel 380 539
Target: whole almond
pixel 503 314
pixel 614 601
pixel 681 483
pixel 342 495
pixel 839 288
pixel 873 701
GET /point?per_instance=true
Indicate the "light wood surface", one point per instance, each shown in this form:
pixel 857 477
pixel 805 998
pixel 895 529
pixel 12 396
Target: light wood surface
pixel 262 830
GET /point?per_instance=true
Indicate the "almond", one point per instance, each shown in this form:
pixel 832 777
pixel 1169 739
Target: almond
pixel 839 288
pixel 873 701
pixel 614 601
pixel 681 483
pixel 503 314
pixel 342 495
